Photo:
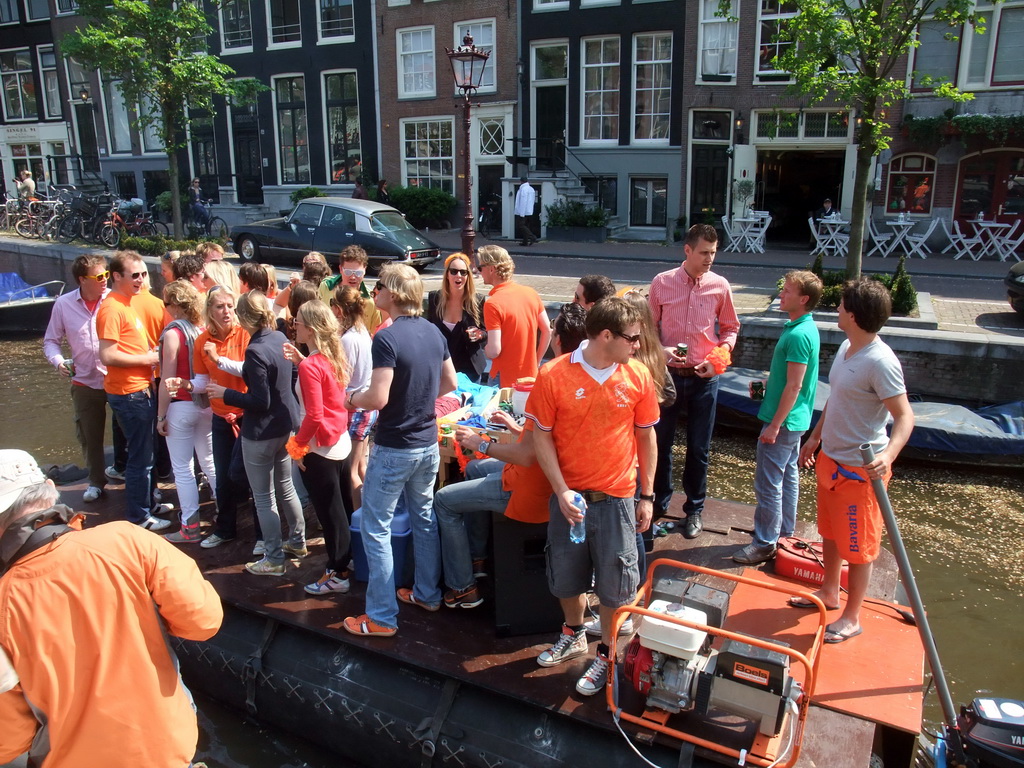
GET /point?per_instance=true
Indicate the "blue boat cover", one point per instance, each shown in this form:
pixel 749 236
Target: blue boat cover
pixel 996 430
pixel 12 286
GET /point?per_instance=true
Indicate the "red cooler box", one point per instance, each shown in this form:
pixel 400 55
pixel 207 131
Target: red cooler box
pixel 401 548
pixel 802 560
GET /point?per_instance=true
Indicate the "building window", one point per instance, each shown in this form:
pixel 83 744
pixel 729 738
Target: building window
pixel 773 40
pixel 9 12
pixel 551 62
pixel 416 62
pixel 29 157
pixel 293 138
pixel 51 86
pixel 492 136
pixel 652 86
pixel 336 20
pixel 827 125
pixel 345 155
pixel 236 25
pixel 718 35
pixel 37 10
pixel 604 189
pixel 601 89
pixel 284 22
pixel 117 117
pixel 18 85
pixel 935 58
pixel 1008 67
pixel 550 5
pixel 65 7
pixel 648 202
pixel 204 147
pixel 483 38
pixel 150 129
pixel 712 126
pixel 427 154
pixel 911 183
pixel 58 163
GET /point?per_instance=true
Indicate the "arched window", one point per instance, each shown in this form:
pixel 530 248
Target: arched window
pixel 911 184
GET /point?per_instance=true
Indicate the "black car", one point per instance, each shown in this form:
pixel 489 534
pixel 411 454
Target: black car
pixel 1015 286
pixel 329 224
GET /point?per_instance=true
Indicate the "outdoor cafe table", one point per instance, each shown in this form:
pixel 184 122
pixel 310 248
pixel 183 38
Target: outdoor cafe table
pixel 745 232
pixel 830 231
pixel 991 232
pixel 900 231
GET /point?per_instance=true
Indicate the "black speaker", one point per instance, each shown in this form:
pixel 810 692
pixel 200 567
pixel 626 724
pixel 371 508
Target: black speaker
pixel 523 605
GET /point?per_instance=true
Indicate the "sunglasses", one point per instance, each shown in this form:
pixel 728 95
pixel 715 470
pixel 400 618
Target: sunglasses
pixel 133 275
pixel 458 272
pixel 635 339
pixel 100 278
pixel 353 272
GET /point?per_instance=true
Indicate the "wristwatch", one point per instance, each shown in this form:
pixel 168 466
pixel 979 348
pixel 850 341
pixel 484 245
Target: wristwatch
pixel 484 447
pixel 647 497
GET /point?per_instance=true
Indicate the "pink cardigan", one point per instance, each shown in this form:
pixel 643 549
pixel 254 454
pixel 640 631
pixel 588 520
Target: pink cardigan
pixel 324 400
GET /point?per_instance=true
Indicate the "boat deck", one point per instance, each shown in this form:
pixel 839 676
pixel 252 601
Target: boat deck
pixel 876 678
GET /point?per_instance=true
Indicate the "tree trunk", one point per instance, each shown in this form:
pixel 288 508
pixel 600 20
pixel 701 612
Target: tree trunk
pixel 867 148
pixel 170 133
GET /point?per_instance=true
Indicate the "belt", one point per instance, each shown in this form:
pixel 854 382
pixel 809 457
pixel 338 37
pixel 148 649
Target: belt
pixel 684 373
pixel 593 497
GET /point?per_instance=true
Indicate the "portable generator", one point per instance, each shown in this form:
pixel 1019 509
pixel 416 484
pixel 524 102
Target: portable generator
pixel 678 670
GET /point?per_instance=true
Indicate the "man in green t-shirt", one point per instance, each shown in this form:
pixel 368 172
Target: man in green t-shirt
pixel 786 410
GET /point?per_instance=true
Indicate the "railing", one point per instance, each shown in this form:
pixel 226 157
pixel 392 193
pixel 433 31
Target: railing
pixel 286 33
pixel 583 180
pixel 83 170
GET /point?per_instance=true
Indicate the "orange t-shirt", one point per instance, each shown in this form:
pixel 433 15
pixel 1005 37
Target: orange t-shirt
pixel 514 310
pixel 530 491
pixel 118 321
pixel 233 348
pixel 592 424
pixel 153 315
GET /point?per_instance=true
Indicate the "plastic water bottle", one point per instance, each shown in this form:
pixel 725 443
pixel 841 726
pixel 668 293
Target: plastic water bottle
pixel 578 531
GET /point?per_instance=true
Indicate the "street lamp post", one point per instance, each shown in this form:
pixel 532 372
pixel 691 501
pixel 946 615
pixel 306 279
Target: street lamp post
pixel 468 64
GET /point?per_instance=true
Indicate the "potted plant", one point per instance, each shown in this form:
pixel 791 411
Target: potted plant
pixel 303 194
pixel 742 191
pixel 573 221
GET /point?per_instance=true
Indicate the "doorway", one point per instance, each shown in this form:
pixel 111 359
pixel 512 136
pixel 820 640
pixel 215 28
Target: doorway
pixel 791 185
pixel 550 133
pixel 709 183
pixel 991 184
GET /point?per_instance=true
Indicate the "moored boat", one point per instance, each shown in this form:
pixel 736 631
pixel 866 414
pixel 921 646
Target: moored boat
pixel 26 308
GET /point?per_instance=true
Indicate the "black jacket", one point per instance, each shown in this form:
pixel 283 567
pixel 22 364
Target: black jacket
pixel 271 410
pixel 467 356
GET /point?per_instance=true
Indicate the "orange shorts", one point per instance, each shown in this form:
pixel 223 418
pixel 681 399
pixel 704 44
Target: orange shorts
pixel 848 512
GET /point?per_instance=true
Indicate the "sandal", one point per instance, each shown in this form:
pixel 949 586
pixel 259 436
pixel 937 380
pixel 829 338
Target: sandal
pixel 832 637
pixel 802 602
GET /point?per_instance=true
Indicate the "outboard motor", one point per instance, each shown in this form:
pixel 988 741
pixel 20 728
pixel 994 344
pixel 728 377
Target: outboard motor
pixel 992 733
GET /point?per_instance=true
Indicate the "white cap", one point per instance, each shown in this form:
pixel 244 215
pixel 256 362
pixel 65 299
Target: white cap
pixel 18 471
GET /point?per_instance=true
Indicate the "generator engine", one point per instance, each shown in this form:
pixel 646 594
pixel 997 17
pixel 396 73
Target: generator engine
pixel 677 669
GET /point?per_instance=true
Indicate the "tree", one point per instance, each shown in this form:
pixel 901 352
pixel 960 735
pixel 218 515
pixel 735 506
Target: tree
pixel 851 52
pixel 154 48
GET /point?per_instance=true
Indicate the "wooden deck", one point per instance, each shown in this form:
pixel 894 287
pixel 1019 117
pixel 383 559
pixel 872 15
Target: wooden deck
pixel 463 644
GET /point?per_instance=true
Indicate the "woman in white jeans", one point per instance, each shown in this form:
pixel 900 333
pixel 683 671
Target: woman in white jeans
pixel 184 418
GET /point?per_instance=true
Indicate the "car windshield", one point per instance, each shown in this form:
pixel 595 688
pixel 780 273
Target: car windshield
pixel 387 222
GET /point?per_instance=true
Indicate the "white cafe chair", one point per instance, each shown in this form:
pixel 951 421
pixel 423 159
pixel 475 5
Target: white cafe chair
pixel 918 244
pixel 964 245
pixel 819 241
pixel 1011 244
pixel 879 240
pixel 731 245
pixel 759 234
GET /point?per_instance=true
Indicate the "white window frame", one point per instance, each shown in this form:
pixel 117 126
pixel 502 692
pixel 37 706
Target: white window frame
pixel 768 116
pixel 46 91
pixel 598 3
pixel 114 106
pixel 491 67
pixel 405 158
pixel 550 5
pixel 326 117
pixel 993 15
pixel 271 45
pixel 23 76
pixel 634 139
pixel 13 6
pixel 709 27
pixel 392 3
pixel 277 127
pixel 149 136
pixel 780 17
pixel 224 49
pixel 431 56
pixel 28 14
pixel 333 39
pixel 584 92
pixel 70 9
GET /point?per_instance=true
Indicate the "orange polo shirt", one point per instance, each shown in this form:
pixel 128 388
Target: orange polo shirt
pixel 233 348
pixel 592 424
pixel 530 491
pixel 514 310
pixel 117 320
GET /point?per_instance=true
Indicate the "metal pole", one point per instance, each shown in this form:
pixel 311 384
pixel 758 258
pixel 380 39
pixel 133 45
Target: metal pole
pixel 468 233
pixel 910 584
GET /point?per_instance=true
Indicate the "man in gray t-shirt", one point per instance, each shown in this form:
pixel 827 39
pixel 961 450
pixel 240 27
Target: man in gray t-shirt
pixel 866 388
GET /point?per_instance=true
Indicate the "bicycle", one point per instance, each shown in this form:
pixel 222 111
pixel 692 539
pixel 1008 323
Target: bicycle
pixel 215 226
pixel 488 220
pixel 42 219
pixel 85 214
pixel 125 218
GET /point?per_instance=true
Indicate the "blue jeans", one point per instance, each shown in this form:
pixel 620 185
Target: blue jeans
pixel 232 482
pixel 776 487
pixel 269 468
pixel 389 472
pixel 696 398
pixel 455 505
pixel 136 413
pixel 479 526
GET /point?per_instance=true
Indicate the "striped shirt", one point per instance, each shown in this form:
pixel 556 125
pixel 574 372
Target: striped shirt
pixel 688 310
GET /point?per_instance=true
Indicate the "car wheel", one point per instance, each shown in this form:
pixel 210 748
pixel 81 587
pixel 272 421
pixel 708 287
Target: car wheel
pixel 1017 302
pixel 247 249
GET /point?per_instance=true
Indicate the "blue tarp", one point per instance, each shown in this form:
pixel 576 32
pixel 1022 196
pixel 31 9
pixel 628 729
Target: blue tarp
pixel 997 430
pixel 12 286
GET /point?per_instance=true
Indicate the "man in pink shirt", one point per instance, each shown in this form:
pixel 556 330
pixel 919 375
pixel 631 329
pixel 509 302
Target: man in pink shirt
pixel 692 306
pixel 74 318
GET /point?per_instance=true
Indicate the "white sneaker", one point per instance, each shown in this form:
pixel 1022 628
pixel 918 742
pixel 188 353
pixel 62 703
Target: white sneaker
pixel 161 509
pixel 92 493
pixel 113 474
pixel 211 541
pixel 329 582
pixel 593 627
pixel 568 646
pixel 260 548
pixel 155 523
pixel 595 678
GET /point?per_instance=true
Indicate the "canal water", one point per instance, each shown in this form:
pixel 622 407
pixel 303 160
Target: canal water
pixel 961 527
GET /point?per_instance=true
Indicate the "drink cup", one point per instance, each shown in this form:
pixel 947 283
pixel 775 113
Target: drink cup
pixel 756 388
